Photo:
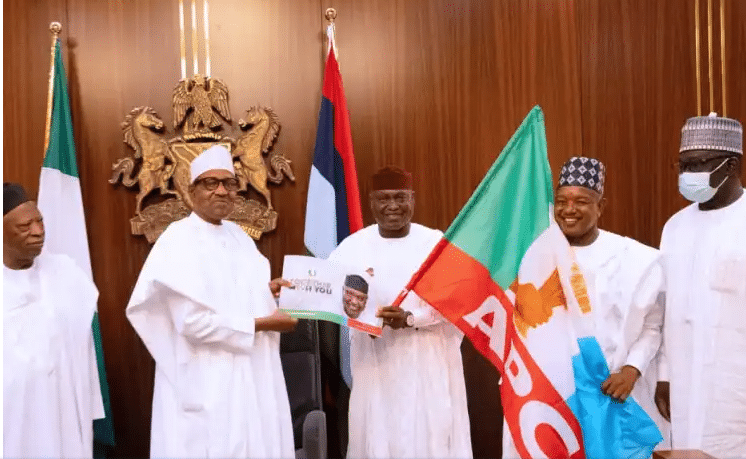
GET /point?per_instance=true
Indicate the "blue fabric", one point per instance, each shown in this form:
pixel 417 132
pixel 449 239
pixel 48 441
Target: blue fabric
pixel 611 430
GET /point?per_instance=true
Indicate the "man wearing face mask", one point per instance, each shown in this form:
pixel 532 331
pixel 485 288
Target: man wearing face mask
pixel 408 394
pixel 624 280
pixel 703 373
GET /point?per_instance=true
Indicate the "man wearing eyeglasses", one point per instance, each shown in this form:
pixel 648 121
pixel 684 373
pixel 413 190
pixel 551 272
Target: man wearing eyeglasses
pixel 703 373
pixel 408 394
pixel 204 307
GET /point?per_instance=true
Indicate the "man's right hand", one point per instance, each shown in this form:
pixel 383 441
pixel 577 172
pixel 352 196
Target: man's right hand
pixel 278 321
pixel 663 399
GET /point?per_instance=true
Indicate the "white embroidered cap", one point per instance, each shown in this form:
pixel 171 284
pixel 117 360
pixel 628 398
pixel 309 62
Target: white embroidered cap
pixel 712 133
pixel 215 157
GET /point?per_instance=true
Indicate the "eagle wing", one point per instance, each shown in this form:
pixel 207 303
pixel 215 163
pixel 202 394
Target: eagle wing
pixel 182 101
pixel 218 94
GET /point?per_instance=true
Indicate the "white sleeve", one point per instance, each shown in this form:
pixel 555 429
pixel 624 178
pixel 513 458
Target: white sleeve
pixel 644 349
pixel 200 325
pixel 424 314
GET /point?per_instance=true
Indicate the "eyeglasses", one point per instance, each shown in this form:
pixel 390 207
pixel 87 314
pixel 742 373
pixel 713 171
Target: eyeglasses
pixel 697 164
pixel 211 183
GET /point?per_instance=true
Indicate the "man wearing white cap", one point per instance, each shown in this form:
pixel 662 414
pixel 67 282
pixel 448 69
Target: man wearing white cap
pixel 204 308
pixel 704 369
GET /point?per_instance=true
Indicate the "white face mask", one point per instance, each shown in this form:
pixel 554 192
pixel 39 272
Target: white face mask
pixel 695 186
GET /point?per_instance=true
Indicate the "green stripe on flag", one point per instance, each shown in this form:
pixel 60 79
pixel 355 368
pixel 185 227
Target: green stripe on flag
pixel 60 153
pixel 508 208
pixel 103 429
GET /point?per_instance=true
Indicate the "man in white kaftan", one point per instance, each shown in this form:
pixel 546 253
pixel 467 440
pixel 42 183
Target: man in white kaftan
pixel 705 269
pixel 203 308
pixel 624 280
pixel 51 392
pixel 408 395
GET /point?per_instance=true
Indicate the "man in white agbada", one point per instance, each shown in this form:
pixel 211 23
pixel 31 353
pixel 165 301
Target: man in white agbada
pixel 408 395
pixel 51 392
pixel 705 269
pixel 203 308
pixel 624 280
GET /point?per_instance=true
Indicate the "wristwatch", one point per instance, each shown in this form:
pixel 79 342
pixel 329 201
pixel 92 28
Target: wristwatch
pixel 410 319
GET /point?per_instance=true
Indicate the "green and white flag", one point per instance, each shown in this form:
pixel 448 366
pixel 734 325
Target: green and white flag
pixel 61 203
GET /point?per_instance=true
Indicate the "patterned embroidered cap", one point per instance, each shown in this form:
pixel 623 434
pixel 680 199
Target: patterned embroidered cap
pixel 712 133
pixel 581 171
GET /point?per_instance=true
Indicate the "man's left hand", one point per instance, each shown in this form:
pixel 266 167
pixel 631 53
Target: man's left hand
pixel 394 317
pixel 276 284
pixel 619 385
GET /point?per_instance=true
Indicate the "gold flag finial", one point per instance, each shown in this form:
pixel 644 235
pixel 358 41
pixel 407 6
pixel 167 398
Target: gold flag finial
pixel 56 29
pixel 330 14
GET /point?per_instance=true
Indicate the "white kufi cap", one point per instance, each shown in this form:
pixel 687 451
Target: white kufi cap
pixel 215 157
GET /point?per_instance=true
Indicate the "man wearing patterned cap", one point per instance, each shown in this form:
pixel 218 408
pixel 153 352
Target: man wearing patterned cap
pixel 51 392
pixel 408 393
pixel 703 381
pixel 204 308
pixel 624 280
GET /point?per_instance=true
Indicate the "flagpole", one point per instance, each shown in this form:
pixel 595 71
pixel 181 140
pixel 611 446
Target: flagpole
pixel 55 28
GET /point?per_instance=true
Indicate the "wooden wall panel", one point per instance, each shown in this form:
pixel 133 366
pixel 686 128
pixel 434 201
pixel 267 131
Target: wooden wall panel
pixel 638 88
pixel 437 87
pixel 735 52
pixel 26 44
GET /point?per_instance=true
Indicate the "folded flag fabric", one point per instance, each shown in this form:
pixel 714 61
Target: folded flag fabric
pixel 506 276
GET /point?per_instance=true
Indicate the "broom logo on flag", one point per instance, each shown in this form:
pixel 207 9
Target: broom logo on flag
pixel 511 284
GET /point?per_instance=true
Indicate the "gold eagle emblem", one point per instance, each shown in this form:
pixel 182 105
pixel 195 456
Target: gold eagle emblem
pixel 199 103
pixel 200 109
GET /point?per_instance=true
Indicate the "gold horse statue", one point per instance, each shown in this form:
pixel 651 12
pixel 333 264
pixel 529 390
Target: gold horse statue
pixel 140 128
pixel 261 126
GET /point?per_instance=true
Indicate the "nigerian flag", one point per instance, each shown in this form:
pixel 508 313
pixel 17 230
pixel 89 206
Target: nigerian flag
pixel 61 204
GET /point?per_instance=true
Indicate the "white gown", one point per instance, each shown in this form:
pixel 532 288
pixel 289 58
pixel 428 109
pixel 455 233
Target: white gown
pixel 219 389
pixel 408 395
pixel 705 329
pixel 51 392
pixel 625 281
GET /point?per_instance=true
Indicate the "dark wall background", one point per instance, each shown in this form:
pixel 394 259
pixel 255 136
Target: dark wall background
pixel 437 87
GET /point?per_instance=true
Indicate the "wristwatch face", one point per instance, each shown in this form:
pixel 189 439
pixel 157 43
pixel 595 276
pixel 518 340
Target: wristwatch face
pixel 410 319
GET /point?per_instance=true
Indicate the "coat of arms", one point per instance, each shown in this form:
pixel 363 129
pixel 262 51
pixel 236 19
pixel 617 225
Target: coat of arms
pixel 201 118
